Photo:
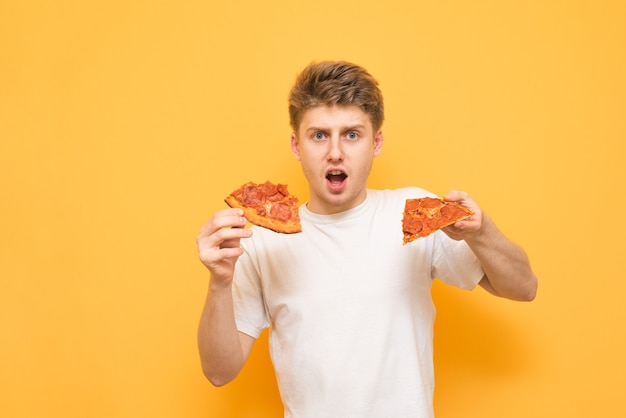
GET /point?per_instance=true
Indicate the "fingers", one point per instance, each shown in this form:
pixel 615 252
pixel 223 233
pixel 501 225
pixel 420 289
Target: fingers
pixel 462 229
pixel 224 229
pixel 452 232
pixel 466 227
pixel 463 199
pixel 219 238
pixel 456 196
pixel 227 218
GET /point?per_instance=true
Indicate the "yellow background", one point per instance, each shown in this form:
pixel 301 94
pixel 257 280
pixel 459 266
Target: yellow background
pixel 123 124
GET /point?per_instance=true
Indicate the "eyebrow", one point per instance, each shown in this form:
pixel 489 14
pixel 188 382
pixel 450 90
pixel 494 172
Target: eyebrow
pixel 356 127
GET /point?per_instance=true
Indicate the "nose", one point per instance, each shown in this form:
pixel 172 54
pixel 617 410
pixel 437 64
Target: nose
pixel 335 151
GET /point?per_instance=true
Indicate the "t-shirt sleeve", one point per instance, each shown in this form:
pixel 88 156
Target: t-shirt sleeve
pixel 250 314
pixel 454 263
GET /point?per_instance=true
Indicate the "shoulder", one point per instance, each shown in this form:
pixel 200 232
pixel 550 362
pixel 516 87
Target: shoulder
pixel 402 193
pixel 390 202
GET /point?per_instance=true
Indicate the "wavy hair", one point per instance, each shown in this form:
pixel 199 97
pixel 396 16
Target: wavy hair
pixel 331 83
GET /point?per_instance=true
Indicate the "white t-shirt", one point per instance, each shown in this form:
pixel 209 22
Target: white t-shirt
pixel 350 308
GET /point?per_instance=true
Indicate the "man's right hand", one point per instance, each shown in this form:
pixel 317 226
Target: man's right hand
pixel 223 349
pixel 219 244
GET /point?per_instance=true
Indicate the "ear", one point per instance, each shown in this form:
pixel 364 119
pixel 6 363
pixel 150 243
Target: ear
pixel 378 143
pixel 295 146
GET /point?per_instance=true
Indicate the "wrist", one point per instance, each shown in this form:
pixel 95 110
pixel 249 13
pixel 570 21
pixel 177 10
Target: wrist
pixel 220 284
pixel 483 234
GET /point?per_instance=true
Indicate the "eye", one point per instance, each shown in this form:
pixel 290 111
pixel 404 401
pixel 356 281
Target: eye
pixel 318 136
pixel 352 135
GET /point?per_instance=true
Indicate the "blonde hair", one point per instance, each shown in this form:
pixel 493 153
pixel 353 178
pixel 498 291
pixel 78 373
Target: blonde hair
pixel 335 83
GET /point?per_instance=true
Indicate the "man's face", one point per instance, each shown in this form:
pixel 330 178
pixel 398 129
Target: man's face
pixel 336 147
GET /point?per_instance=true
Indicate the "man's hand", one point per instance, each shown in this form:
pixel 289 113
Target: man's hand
pixel 468 227
pixel 219 244
pixel 223 349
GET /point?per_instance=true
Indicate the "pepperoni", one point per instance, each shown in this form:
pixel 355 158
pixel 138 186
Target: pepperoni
pixel 452 212
pixel 282 188
pixel 277 197
pixel 251 196
pixel 268 189
pixel 413 224
pixel 430 203
pixel 412 205
pixel 280 212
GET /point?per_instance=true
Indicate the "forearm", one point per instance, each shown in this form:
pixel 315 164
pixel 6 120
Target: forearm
pixel 220 348
pixel 507 268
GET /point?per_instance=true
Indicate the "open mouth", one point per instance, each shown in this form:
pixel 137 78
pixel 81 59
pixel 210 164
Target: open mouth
pixel 336 177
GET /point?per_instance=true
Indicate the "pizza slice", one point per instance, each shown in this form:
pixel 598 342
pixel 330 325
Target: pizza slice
pixel 268 205
pixel 426 215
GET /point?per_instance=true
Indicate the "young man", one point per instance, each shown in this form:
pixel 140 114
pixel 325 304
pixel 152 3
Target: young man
pixel 349 305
